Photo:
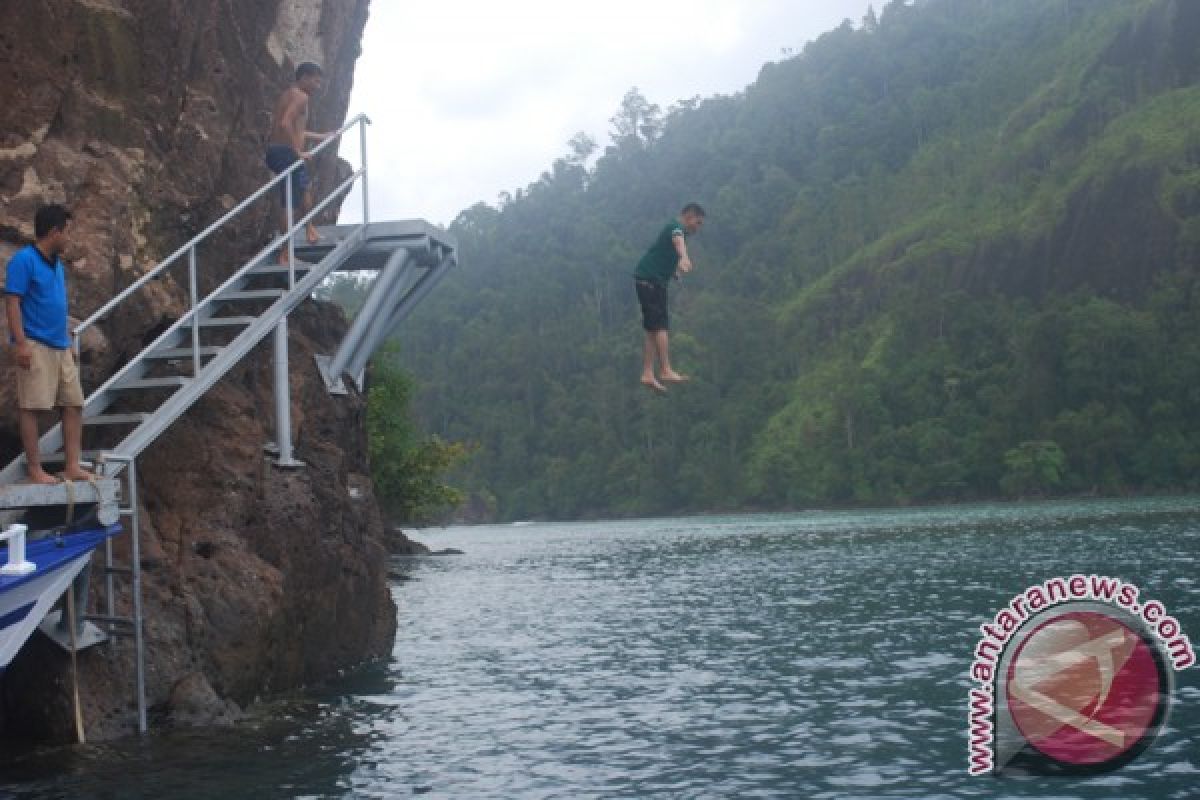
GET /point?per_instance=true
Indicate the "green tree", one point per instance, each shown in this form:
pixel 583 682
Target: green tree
pixel 637 121
pixel 1033 468
pixel 407 469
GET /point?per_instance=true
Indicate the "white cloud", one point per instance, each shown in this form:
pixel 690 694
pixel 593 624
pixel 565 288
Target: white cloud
pixel 472 98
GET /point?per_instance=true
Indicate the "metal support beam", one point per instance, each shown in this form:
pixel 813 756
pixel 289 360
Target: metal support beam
pixel 382 289
pixel 283 399
pixel 377 327
pixel 135 558
pixel 113 625
pixel 414 298
pixel 362 149
pixel 385 326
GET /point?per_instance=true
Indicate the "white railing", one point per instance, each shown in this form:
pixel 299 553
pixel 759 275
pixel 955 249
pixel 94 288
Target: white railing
pixel 286 239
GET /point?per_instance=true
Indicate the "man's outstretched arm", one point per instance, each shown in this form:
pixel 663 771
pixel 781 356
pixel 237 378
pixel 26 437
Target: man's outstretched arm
pixel 685 263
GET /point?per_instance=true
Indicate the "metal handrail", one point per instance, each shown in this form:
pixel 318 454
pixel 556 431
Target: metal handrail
pixel 360 119
pixel 187 317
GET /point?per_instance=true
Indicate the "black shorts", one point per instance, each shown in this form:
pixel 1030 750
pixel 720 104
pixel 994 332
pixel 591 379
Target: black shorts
pixel 653 299
pixel 280 157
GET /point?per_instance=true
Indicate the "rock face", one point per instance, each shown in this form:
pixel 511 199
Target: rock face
pixel 399 544
pixel 148 118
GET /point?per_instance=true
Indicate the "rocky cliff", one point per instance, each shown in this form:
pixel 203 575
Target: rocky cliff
pixel 147 118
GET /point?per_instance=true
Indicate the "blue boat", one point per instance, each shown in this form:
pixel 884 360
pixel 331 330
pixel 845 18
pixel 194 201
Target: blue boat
pixel 35 575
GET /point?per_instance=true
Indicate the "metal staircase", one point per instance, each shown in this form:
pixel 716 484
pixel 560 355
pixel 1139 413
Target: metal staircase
pixel 133 407
pixel 155 387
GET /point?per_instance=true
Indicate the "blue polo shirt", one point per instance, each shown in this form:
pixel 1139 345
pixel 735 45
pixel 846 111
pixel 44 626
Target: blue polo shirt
pixel 42 287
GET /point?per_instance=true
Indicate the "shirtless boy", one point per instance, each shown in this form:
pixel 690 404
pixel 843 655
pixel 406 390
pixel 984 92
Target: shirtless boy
pixel 288 137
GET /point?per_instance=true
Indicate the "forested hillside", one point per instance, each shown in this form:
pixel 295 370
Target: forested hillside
pixel 950 254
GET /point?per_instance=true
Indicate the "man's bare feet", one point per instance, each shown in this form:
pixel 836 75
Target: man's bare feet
pixel 283 257
pixel 653 385
pixel 311 234
pixel 41 477
pixel 672 376
pixel 78 474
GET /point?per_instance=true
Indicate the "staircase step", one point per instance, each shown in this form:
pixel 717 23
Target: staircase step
pixel 167 382
pixel 25 495
pixel 174 353
pixel 226 322
pixel 252 294
pixel 116 419
pixel 87 458
pixel 277 269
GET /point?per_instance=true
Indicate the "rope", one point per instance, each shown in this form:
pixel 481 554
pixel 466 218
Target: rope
pixel 79 735
pixel 70 611
pixel 94 481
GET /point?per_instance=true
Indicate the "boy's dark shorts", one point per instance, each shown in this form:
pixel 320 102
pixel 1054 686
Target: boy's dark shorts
pixel 279 158
pixel 653 299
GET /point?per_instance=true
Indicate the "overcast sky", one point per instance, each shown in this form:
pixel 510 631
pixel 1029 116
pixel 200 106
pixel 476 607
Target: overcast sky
pixel 470 98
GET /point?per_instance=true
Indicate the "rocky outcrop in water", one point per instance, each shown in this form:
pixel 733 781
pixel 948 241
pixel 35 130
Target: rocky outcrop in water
pixel 147 118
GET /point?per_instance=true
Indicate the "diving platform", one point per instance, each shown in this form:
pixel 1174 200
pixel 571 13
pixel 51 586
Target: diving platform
pixel 410 257
pixel 103 494
pixel 427 244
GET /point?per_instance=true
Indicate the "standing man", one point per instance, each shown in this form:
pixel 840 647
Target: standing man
pixel 289 121
pixel 667 258
pixel 47 376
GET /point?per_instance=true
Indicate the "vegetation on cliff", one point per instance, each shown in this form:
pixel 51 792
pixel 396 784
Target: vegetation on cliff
pixel 407 468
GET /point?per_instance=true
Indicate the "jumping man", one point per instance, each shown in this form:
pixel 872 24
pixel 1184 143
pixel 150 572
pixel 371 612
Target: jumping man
pixel 35 286
pixel 288 136
pixel 667 258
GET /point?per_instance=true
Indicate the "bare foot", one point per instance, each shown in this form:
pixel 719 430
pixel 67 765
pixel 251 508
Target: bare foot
pixel 674 377
pixel 283 257
pixel 311 234
pixel 78 474
pixel 41 477
pixel 653 385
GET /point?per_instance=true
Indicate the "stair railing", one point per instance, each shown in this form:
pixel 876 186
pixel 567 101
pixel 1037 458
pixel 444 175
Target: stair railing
pixel 286 239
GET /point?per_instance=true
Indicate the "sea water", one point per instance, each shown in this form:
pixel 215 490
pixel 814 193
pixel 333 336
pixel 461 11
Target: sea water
pixel 808 655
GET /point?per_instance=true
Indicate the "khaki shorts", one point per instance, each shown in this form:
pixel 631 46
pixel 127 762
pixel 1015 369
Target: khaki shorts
pixel 51 381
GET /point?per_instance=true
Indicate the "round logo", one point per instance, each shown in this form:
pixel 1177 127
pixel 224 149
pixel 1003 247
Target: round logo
pixel 1087 690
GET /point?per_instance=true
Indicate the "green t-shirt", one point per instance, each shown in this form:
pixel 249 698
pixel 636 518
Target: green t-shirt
pixel 661 259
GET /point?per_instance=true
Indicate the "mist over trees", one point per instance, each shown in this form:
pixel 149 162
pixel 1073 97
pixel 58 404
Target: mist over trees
pixel 950 254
